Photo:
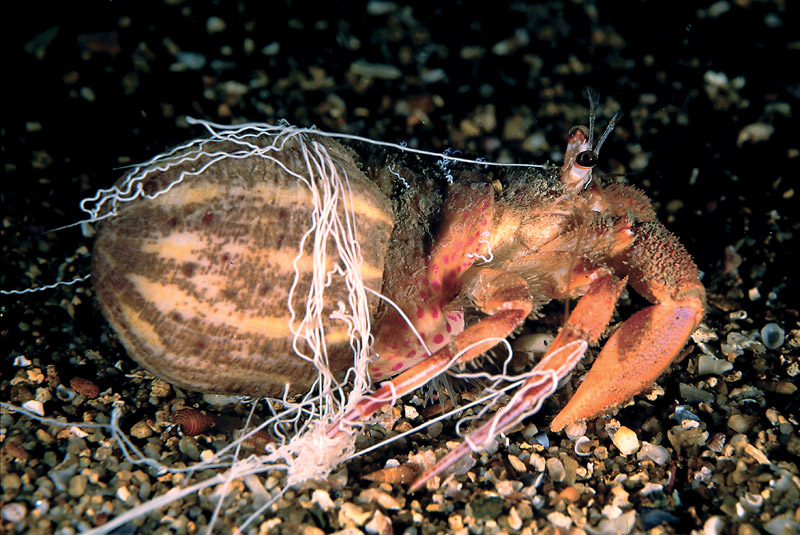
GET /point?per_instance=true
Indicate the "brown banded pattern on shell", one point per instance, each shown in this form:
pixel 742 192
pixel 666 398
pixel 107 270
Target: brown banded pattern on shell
pixel 196 280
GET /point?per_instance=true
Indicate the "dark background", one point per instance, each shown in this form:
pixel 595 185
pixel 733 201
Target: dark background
pixel 104 95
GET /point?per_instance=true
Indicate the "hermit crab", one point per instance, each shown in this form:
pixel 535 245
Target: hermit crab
pixel 265 261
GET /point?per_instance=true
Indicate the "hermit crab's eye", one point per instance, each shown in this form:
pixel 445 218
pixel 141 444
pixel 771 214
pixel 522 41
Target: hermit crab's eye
pixel 587 159
pixel 583 129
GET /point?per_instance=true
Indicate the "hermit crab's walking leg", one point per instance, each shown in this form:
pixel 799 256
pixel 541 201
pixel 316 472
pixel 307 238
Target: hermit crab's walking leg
pixel 585 326
pixel 504 296
pixel 509 303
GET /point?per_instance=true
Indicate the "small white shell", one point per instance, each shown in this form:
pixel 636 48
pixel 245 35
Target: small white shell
pixel 626 440
pixel 65 394
pixel 575 430
pixel 752 502
pixel 708 365
pixel 583 446
pixel 772 335
pixel 533 343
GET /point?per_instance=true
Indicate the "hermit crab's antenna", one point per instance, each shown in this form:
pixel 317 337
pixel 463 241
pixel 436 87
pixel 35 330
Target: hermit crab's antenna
pixel 589 156
pixel 594 101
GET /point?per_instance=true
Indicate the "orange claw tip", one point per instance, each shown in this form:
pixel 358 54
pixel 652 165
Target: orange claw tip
pixel 632 359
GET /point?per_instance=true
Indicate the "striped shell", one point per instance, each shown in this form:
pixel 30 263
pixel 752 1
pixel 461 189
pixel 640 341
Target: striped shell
pixel 194 422
pixel 195 276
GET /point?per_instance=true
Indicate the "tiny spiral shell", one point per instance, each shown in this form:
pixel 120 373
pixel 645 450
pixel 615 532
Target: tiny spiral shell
pixel 193 422
pixel 403 474
pixel 258 442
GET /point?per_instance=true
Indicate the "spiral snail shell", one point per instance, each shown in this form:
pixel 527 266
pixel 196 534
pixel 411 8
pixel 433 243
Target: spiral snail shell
pixel 208 258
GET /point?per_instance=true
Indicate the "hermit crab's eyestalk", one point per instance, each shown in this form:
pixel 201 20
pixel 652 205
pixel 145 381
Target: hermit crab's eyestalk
pixel 581 156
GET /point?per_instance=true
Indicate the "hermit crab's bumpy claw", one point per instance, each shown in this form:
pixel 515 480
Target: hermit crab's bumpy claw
pixel 660 269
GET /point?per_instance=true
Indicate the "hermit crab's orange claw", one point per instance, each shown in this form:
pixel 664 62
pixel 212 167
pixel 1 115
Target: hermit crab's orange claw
pixel 644 346
pixel 632 359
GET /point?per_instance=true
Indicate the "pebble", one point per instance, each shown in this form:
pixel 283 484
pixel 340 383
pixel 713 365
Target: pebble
pixel 188 446
pixel 755 133
pixel 14 512
pixel 682 413
pixel 514 520
pixel 123 494
pixel 556 469
pixel 651 518
pixel 77 485
pixel 189 60
pixel 350 513
pixel 559 520
pixel 575 430
pixel 542 439
pixel 626 440
pixel 34 406
pixel 435 429
pixel 781 525
pixel 22 362
pixel 741 423
pixel 141 430
pixel 507 487
pixel 692 394
pixel 616 525
pixel 570 494
pixel 516 464
pixel 381 7
pixel 529 433
pixel 375 70
pixel 84 387
pixel 215 25
pixel 377 496
pixel 657 454
pixel 380 524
